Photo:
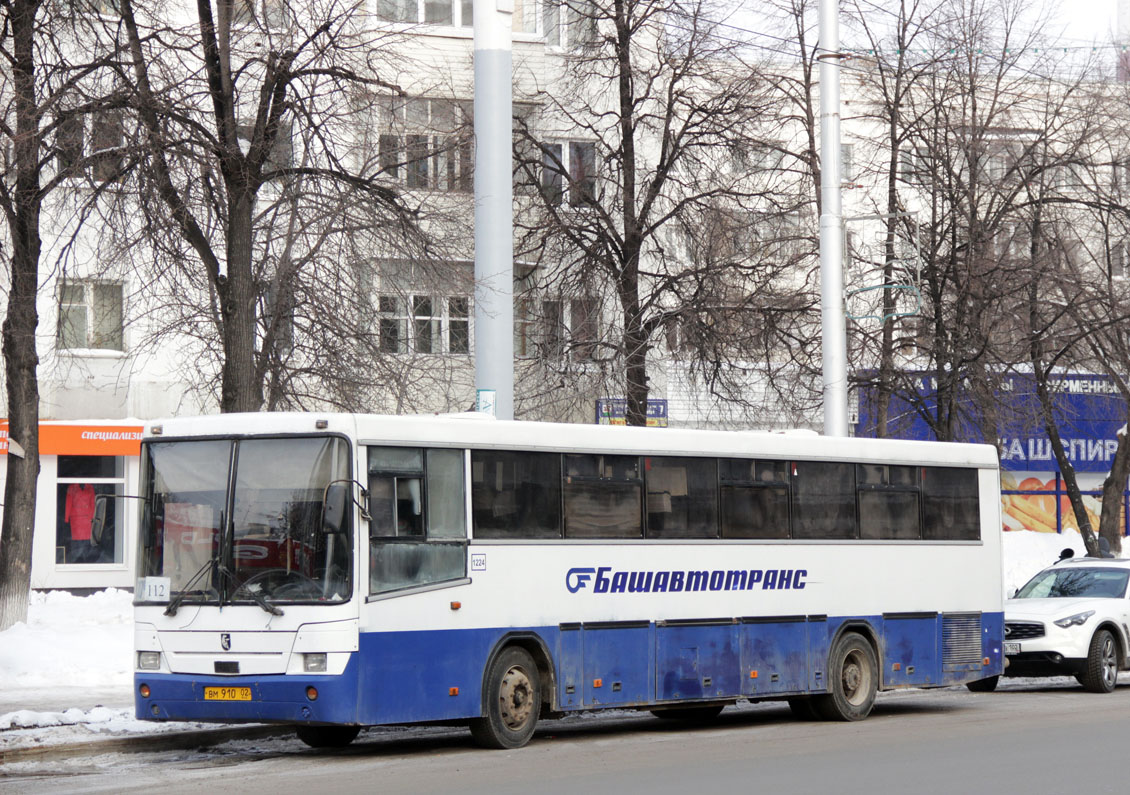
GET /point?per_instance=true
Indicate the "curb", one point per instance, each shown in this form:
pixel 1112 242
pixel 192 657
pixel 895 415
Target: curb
pixel 136 743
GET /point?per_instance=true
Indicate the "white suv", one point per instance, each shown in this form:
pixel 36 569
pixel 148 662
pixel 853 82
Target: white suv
pixel 1070 620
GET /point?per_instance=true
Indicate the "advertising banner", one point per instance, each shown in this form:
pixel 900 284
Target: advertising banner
pixel 1089 413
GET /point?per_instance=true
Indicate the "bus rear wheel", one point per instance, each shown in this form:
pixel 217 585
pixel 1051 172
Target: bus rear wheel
pixel 689 714
pixel 853 674
pixel 511 702
pixel 327 736
pixel 987 685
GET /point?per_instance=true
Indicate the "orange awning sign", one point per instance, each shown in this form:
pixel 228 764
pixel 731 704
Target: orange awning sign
pixel 83 439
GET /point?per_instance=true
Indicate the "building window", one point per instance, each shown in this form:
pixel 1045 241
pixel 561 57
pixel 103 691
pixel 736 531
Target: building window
pixel 584 328
pixel 552 171
pixel 569 169
pixel 451 13
pixel 542 329
pixel 106 138
pixel 847 163
pixel 79 538
pixel 90 316
pixel 424 324
pixel 82 8
pixel 271 14
pixel 69 144
pixel 571 24
pixel 278 314
pixel 426 143
pixel 282 151
pixel 1120 259
pixel 458 325
pixel 915 165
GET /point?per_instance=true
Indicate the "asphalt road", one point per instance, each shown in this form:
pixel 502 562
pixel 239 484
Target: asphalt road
pixel 1043 738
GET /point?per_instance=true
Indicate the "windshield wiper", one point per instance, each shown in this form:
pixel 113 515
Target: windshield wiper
pixel 256 597
pixel 175 602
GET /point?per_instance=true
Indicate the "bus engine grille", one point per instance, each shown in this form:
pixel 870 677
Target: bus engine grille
pixel 961 638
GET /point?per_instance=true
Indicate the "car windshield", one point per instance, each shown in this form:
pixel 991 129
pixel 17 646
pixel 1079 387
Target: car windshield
pixel 1064 583
pixel 263 543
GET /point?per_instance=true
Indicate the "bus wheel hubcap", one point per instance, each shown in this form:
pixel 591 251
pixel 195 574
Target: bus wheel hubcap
pixel 853 678
pixel 515 698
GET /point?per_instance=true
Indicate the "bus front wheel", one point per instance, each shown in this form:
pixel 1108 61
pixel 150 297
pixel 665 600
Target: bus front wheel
pixel 327 736
pixel 853 674
pixel 511 703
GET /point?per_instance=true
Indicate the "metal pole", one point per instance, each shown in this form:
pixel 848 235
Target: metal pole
pixel 494 208
pixel 831 227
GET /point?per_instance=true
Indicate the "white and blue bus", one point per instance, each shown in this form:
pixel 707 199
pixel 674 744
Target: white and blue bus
pixel 340 571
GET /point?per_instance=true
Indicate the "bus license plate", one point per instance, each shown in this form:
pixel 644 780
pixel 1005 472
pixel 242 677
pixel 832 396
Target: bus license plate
pixel 1011 648
pixel 227 694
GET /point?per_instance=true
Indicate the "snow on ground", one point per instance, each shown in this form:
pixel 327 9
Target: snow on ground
pixel 71 664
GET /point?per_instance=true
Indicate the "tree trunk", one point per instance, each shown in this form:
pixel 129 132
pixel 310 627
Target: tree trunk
pixel 241 387
pixel 887 344
pixel 635 361
pixel 1114 486
pixel 18 345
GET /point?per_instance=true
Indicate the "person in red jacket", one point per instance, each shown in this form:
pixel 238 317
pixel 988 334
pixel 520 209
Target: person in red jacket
pixel 79 514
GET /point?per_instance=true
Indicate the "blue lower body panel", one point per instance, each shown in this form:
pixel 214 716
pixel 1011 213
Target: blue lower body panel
pixel 409 677
pixel 274 699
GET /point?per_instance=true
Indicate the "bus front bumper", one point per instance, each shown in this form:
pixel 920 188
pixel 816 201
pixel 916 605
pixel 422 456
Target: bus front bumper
pixel 279 698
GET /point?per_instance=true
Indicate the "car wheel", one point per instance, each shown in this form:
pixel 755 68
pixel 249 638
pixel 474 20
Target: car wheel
pixel 984 685
pixel 1101 673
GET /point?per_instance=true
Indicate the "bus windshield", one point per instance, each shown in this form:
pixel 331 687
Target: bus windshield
pixel 232 521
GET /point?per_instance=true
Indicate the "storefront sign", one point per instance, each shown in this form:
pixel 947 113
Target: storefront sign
pixel 614 411
pixel 58 439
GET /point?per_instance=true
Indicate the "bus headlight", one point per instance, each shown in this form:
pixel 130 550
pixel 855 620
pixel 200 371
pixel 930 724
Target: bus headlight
pixel 314 663
pixel 148 660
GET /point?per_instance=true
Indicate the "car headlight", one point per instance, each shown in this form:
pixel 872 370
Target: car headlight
pixel 1076 620
pixel 149 660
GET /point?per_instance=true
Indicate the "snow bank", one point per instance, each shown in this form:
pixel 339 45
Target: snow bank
pixel 82 641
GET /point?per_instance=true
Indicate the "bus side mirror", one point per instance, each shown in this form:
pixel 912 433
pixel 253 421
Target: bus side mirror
pixel 334 507
pixel 98 523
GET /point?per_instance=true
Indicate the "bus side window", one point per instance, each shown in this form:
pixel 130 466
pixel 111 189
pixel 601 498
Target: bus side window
pixel 409 507
pixel 682 497
pixel 824 500
pixel 417 535
pixel 603 496
pixel 515 495
pixel 382 506
pixel 951 507
pixel 755 498
pixel 888 502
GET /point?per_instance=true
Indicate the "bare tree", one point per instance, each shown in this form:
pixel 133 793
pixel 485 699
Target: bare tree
pixel 256 189
pixel 1077 302
pixel 641 196
pixel 55 67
